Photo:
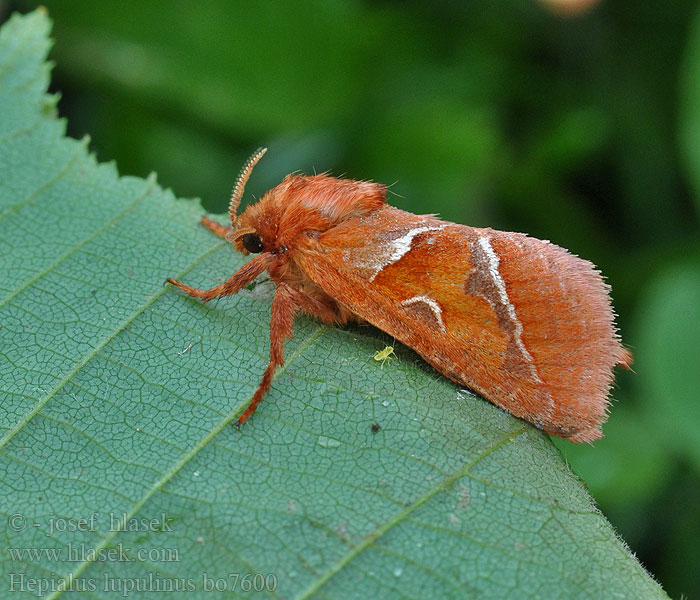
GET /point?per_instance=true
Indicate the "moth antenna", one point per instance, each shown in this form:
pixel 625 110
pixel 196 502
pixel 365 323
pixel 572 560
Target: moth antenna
pixel 232 236
pixel 241 180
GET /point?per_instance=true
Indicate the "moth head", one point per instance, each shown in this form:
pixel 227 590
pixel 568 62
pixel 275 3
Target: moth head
pixel 245 238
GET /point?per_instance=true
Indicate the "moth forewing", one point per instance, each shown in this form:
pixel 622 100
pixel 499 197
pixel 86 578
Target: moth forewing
pixel 519 320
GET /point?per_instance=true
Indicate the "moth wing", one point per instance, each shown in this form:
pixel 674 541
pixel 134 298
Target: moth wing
pixel 519 320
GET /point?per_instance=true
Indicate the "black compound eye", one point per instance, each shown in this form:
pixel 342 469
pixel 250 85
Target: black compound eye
pixel 252 243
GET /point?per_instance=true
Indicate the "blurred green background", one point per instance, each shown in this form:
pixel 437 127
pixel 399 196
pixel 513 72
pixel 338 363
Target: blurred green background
pixel 581 129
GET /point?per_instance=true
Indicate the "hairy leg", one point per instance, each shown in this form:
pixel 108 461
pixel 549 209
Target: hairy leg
pixel 238 280
pixel 324 309
pixel 286 303
pixel 220 230
pixel 284 308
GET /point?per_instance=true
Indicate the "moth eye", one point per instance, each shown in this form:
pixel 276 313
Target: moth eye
pixel 252 243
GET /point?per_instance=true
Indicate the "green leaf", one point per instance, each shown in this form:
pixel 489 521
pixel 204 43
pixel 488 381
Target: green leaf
pixel 118 394
pixel 233 68
pixel 689 113
pixel 668 358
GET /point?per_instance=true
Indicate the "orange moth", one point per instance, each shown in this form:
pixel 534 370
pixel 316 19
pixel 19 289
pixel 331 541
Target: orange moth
pixel 521 321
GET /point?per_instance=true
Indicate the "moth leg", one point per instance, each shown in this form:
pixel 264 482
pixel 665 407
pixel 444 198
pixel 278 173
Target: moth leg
pixel 325 310
pixel 238 280
pixel 284 309
pixel 219 230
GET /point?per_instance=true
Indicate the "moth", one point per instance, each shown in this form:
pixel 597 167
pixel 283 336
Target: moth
pixel 520 321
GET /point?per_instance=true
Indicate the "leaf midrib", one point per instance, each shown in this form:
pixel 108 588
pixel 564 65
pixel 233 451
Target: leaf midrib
pixel 180 464
pixel 406 512
pixel 96 349
pixel 79 153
